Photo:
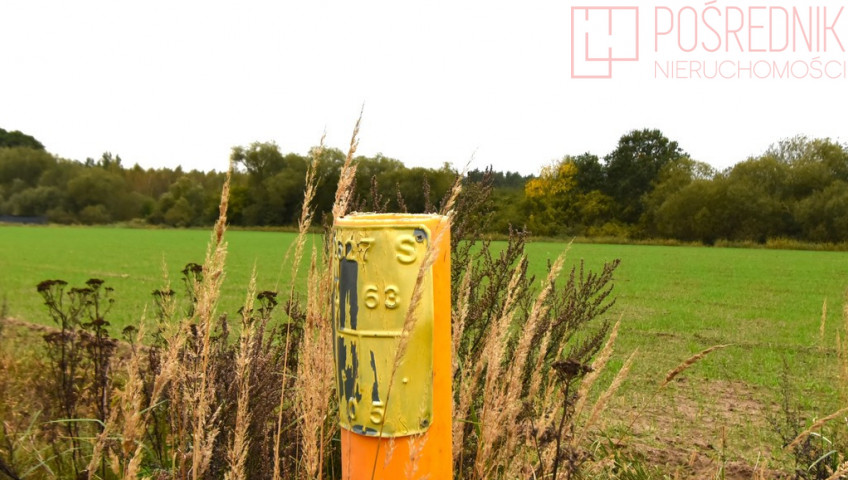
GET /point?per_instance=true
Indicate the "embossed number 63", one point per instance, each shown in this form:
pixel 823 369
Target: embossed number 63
pixel 390 296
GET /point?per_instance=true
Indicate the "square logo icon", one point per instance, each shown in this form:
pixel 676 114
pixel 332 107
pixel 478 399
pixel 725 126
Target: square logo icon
pixel 601 36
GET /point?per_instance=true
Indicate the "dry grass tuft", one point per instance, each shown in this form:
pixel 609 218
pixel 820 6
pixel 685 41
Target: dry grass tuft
pixel 503 389
pixel 238 447
pixel 313 379
pixel 205 415
pixel 306 212
pixel 135 418
pixel 688 363
pixel 604 399
pixel 842 354
pixel 416 446
pixel 840 472
pixel 130 410
pixel 458 316
pixel 823 322
pixel 515 345
pixel 597 367
pixel 313 383
pixel 815 426
pixel 344 191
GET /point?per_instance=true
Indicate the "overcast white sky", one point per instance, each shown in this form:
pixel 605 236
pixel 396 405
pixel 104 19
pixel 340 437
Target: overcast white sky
pixel 167 83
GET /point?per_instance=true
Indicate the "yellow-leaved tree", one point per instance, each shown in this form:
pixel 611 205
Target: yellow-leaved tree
pixel 552 198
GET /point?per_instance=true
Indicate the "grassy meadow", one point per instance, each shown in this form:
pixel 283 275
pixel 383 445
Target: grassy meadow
pixel 134 262
pixel 672 302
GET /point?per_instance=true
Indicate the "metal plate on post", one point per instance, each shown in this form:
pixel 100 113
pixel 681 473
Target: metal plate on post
pixel 375 265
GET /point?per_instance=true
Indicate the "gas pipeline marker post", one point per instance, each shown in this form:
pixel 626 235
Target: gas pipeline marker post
pixel 394 413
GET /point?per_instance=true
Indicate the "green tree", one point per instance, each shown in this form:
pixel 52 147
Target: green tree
pixel 93 187
pixel 24 164
pixel 672 178
pixel 183 205
pixel 275 183
pixel 823 216
pixel 506 208
pixel 740 204
pixel 694 212
pixel 327 173
pixel 107 161
pixel 421 188
pixel 16 138
pixel 34 202
pixel 284 192
pixel 382 171
pixel 59 174
pixel 261 160
pixel 758 191
pixel 558 203
pixel 814 164
pixel 632 168
pixel 591 174
pixel 94 214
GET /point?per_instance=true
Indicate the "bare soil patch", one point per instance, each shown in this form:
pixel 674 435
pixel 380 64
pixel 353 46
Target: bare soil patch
pixel 695 428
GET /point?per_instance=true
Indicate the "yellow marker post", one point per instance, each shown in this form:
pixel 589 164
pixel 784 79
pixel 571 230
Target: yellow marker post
pixel 376 260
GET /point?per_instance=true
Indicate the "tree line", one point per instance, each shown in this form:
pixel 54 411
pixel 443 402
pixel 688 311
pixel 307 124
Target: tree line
pixel 647 187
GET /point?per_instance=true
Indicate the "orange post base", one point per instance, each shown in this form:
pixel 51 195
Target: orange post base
pixel 398 458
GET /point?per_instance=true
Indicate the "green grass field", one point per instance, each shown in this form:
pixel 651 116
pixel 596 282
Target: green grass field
pixel 672 301
pixel 766 303
pixel 133 262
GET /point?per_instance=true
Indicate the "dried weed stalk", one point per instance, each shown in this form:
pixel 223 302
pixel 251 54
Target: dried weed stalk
pixel 520 351
pixel 344 191
pixel 205 414
pixel 238 447
pixel 815 426
pixel 686 364
pixel 314 381
pixel 823 322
